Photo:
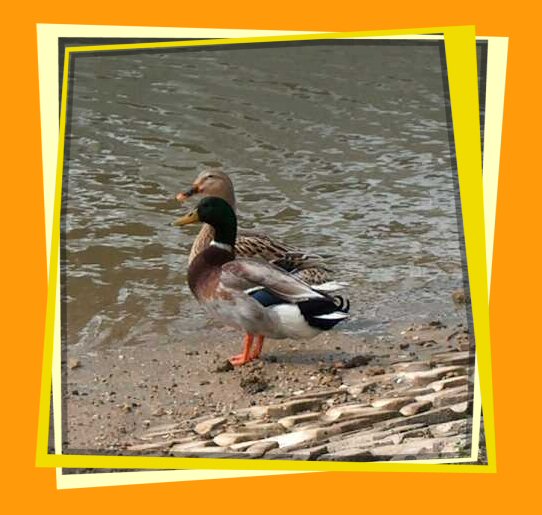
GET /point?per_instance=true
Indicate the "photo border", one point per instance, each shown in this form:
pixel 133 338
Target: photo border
pixel 50 36
pixel 461 59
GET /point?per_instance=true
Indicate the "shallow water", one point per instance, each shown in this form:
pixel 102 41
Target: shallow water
pixel 340 150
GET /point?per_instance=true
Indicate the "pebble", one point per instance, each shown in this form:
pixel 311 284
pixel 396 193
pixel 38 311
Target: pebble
pixel 74 363
pixel 375 371
pixel 459 296
pixel 254 383
pixel 465 345
pixel 360 388
pixel 353 362
pixel 225 366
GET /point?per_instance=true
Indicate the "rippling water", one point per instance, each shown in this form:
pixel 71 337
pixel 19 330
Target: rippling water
pixel 341 150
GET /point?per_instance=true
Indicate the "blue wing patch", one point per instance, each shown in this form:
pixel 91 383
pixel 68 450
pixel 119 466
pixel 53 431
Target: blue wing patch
pixel 266 298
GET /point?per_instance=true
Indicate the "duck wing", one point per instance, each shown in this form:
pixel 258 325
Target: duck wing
pixel 249 274
pixel 253 243
pixel 301 311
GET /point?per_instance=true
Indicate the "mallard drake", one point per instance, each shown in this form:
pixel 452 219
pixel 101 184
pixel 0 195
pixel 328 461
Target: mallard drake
pixel 307 267
pixel 250 294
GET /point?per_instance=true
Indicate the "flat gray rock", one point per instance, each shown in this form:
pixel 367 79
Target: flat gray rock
pixel 261 429
pixel 283 410
pixel 434 416
pixel 208 426
pixel 415 408
pixel 260 448
pixel 451 382
pixel 416 448
pixel 228 439
pixel 392 403
pixel 426 377
pixel 295 420
pixel 449 428
pixel 357 411
pixel 348 455
pixel 197 444
pixel 453 358
pixel 446 397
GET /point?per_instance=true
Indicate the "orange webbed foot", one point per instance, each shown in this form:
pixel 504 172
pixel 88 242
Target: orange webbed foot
pixel 245 357
pixel 239 359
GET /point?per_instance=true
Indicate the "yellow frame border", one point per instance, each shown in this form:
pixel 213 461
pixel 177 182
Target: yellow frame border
pixel 462 74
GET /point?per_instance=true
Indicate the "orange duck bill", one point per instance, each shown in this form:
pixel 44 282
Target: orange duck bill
pixel 184 195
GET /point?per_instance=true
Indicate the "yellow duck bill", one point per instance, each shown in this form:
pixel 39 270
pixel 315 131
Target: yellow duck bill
pixel 190 218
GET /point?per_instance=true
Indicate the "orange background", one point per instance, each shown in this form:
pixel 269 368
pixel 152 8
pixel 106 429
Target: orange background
pixel 514 306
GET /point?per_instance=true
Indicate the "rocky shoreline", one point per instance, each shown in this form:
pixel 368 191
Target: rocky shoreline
pixel 413 410
pixel 411 400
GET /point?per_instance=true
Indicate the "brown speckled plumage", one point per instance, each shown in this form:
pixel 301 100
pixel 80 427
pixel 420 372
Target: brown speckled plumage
pixel 251 244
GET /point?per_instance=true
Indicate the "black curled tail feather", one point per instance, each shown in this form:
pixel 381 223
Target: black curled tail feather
pixel 341 303
pixel 324 313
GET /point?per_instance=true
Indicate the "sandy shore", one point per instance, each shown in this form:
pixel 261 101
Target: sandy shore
pixel 113 400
